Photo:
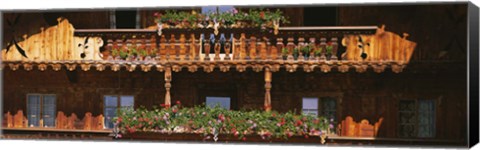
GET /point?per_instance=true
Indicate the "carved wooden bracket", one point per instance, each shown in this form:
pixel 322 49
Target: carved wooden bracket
pixel 325 68
pixel 100 67
pixel 42 67
pixel 208 68
pixel 241 68
pixel 115 67
pixel 361 68
pixel 71 66
pixel 56 67
pixel 85 67
pixel 131 67
pixel 27 66
pixel 343 68
pixel 379 68
pixel 224 68
pixel 160 68
pixel 176 68
pixel 397 68
pixel 146 67
pixel 257 68
pixel 193 68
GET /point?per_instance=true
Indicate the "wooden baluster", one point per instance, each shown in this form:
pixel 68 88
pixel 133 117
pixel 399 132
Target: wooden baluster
pixel 109 49
pixel 280 47
pixel 207 49
pixel 153 47
pixel 290 46
pixel 323 43
pixel 313 48
pixel 263 49
pixel 301 45
pixel 193 47
pixel 217 51
pixel 186 54
pixel 172 47
pixel 217 48
pixel 163 47
pixel 252 47
pixel 335 48
pixel 181 48
pixel 228 47
pixel 243 46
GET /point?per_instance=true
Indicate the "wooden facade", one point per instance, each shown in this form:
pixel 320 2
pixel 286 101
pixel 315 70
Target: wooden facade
pixel 436 70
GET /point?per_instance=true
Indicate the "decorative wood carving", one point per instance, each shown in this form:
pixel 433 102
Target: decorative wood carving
pixel 241 68
pixel 71 66
pixel 56 66
pixel 176 68
pixel 325 68
pixel 146 67
pixel 27 66
pixel 343 68
pixel 131 67
pixel 100 67
pixel 160 68
pixel 224 68
pixel 192 68
pixel 115 67
pixel 85 67
pixel 397 68
pixel 42 67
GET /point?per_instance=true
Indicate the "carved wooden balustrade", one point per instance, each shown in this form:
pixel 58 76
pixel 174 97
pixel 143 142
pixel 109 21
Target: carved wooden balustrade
pixel 238 48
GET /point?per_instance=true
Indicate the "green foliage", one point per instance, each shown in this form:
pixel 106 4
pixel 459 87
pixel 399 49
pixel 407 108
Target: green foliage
pixel 216 120
pixel 254 17
pixel 284 51
pixel 318 51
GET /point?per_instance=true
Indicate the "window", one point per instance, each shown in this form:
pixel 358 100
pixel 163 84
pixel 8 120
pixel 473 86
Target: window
pixel 41 110
pixel 417 118
pixel 223 102
pixel 124 19
pixel 112 104
pixel 327 106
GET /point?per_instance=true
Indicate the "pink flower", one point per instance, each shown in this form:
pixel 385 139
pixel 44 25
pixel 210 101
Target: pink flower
pixel 235 11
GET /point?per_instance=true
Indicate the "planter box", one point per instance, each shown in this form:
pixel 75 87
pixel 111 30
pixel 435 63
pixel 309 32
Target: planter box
pixel 152 136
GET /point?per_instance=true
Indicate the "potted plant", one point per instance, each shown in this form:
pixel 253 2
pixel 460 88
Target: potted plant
pixel 306 51
pixel 295 53
pixel 329 49
pixel 284 53
pixel 318 53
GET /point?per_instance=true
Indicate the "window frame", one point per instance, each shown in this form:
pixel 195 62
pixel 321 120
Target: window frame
pixel 41 107
pixel 117 107
pixel 416 116
pixel 229 98
pixel 338 101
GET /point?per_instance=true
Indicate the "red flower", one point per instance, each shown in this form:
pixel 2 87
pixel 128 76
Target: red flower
pixel 273 115
pixel 306 136
pixel 262 15
pixel 298 123
pixel 244 138
pixel 329 43
pixel 178 103
pixel 174 110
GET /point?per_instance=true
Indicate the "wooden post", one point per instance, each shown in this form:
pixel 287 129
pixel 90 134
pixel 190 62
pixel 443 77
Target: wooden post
pixel 168 85
pixel 268 86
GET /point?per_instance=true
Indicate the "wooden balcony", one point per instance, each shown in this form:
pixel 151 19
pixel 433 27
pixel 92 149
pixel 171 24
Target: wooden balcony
pixel 294 48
